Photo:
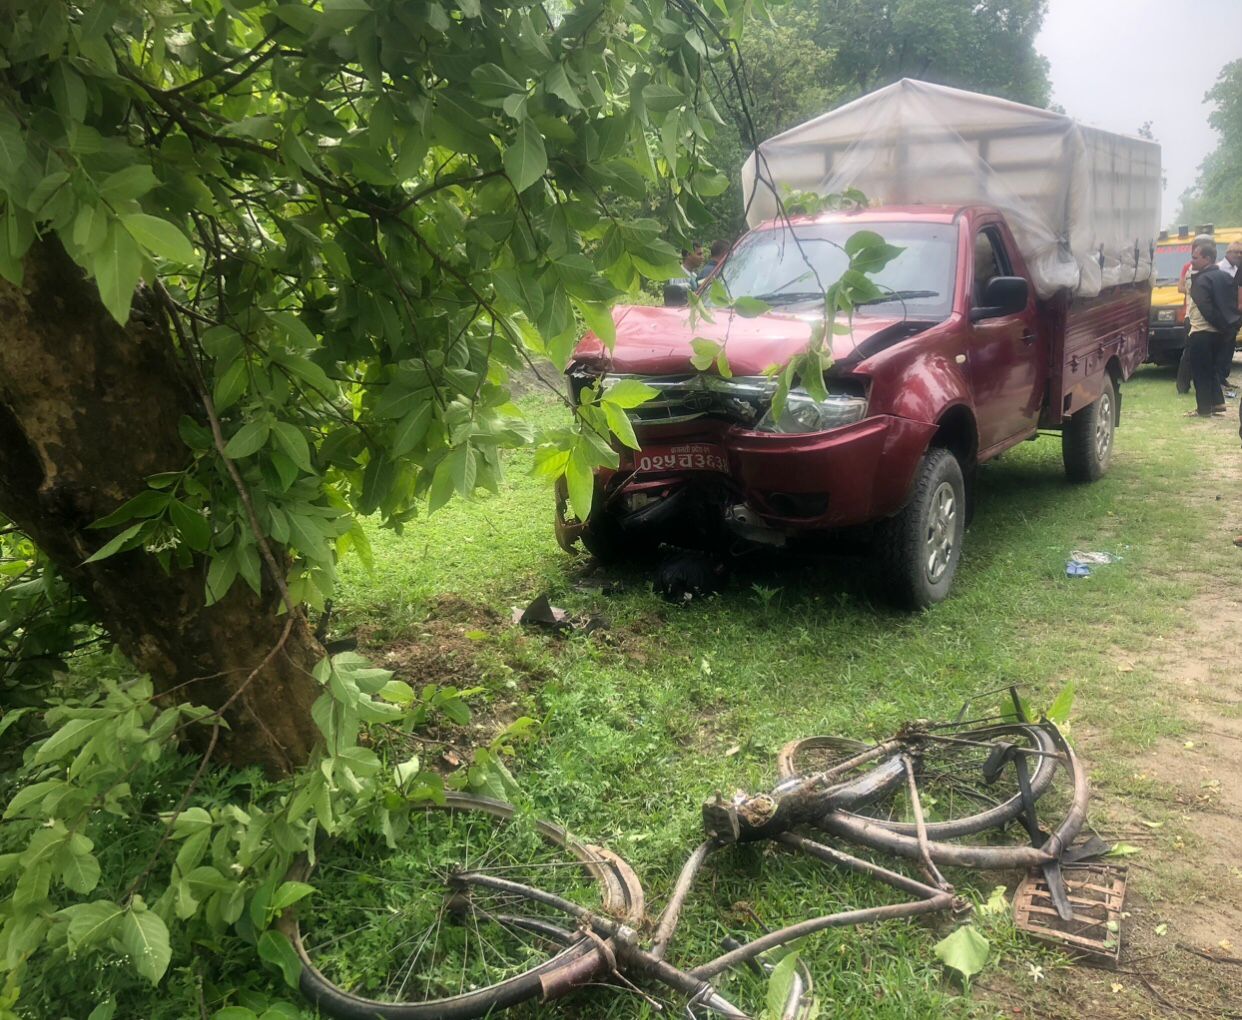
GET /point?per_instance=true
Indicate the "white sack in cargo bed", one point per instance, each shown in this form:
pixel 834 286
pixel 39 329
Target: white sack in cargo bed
pixel 1074 196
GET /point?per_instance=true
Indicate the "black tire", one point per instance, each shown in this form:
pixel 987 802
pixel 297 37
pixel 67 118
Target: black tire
pixel 343 965
pixel 919 548
pixel 1087 438
pixel 944 770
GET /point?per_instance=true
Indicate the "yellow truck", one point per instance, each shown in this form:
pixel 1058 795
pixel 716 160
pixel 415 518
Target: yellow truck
pixel 1166 334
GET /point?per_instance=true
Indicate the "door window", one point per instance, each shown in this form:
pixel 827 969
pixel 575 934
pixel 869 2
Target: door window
pixel 990 260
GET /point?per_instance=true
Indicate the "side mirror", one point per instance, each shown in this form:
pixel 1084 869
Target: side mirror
pixel 676 294
pixel 1003 295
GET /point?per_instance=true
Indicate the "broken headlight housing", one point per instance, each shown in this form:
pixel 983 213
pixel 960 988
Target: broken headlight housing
pixel 802 413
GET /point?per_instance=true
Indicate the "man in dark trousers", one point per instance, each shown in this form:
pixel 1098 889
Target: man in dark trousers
pixel 1214 318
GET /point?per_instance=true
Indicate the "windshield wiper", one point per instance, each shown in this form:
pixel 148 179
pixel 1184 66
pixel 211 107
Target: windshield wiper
pixel 790 296
pixel 899 295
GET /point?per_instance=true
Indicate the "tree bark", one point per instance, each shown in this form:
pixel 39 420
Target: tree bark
pixel 89 410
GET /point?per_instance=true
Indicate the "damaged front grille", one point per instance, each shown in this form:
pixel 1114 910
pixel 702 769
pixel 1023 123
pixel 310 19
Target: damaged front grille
pixel 742 400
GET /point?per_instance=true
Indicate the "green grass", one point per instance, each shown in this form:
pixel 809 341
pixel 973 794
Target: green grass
pixel 672 704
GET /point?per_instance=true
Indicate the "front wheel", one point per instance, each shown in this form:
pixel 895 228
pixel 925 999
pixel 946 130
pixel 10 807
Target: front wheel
pixel 389 935
pixel 1087 438
pixel 920 547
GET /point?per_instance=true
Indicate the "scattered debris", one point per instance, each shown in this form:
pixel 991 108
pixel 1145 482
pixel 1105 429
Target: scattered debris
pixel 541 613
pixel 1080 562
pixel 1094 558
pixel 1097 892
pixel 685 576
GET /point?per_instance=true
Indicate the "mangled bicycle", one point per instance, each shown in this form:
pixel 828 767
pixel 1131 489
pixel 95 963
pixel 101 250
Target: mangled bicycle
pixel 486 907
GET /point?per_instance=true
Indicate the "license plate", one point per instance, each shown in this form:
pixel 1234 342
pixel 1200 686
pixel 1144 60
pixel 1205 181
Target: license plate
pixel 685 457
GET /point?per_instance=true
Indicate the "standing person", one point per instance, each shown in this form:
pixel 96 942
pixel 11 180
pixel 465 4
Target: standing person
pixel 1231 265
pixel 1183 363
pixel 1213 317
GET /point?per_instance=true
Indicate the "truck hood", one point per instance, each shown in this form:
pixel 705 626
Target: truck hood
pixel 657 341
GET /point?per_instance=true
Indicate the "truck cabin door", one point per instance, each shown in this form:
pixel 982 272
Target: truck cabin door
pixel 1005 358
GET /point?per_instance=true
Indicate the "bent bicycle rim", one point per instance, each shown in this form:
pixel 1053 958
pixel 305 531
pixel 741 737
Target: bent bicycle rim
pixel 395 938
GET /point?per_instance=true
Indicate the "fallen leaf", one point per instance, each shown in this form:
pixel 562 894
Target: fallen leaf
pixel 1125 667
pixel 1116 986
pixel 1151 825
pixel 1162 929
pixel 1225 944
pixel 1189 744
pixel 733 750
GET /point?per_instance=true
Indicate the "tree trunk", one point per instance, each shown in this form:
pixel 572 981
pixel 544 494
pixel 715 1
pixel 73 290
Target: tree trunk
pixel 88 410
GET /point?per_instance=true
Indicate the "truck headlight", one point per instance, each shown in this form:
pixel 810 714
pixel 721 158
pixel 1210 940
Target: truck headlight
pixel 803 414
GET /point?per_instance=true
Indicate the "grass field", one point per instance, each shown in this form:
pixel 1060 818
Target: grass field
pixel 640 721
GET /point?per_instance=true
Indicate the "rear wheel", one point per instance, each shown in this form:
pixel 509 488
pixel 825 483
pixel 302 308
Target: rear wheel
pixel 955 795
pixel 1087 438
pixel 388 935
pixel 920 547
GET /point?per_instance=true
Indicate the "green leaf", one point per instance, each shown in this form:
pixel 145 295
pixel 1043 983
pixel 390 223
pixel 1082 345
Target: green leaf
pixel 1059 710
pixel 117 266
pixel 91 924
pixel 194 528
pixel 599 320
pixel 705 353
pixel 289 893
pixel 629 393
pixel 79 870
pixel 275 948
pixel 662 98
pixel 148 503
pixel 463 462
pixel 295 329
pixel 12 146
pixel 69 737
pixel 104 1011
pixel 965 951
pixel 491 81
pixel 781 984
pixel 526 160
pixel 750 307
pixel 250 438
pixel 145 938
pixel 620 424
pixel 1123 850
pixel 293 442
pixel 118 543
pixel 132 182
pixel 411 430
pixel 235 1013
pixel 232 385
pixel 580 481
pixel 159 237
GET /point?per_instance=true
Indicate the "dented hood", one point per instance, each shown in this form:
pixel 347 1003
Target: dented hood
pixel 657 341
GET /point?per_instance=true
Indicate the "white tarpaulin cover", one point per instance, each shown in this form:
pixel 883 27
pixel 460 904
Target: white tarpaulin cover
pixel 1083 204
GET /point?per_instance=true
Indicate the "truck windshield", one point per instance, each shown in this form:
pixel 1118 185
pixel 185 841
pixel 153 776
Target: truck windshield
pixel 918 283
pixel 1169 262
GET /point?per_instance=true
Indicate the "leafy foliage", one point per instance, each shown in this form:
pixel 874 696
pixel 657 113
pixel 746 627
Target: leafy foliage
pixel 1216 196
pixel 359 218
pixel 218 869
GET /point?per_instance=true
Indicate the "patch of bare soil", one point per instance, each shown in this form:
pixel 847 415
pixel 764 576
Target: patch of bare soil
pixel 1182 943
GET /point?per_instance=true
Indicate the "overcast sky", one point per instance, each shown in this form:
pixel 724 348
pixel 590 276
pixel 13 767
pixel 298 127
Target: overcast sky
pixel 1118 63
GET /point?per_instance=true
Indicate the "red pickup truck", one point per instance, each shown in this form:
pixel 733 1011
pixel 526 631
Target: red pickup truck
pixel 957 361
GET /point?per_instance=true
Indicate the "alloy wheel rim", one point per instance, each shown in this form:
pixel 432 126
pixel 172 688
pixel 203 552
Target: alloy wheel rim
pixel 1104 428
pixel 941 532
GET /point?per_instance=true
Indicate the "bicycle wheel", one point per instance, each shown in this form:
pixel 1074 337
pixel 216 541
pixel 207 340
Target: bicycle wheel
pixel 954 794
pixel 388 936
